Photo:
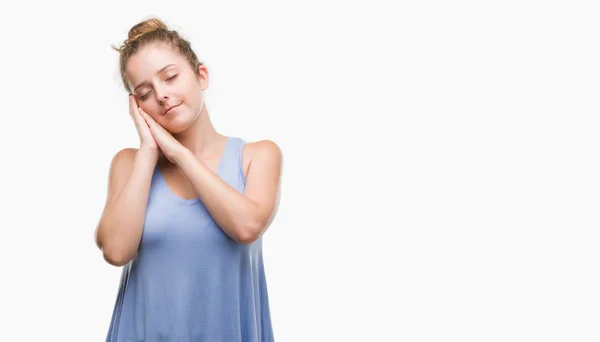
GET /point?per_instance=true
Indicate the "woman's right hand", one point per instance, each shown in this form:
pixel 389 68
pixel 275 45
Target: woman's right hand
pixel 147 142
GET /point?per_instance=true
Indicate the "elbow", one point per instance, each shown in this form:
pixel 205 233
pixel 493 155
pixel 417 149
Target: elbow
pixel 116 256
pixel 247 239
pixel 249 233
pixel 113 253
pixel 116 259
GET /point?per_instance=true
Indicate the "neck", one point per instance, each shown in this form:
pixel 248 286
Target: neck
pixel 200 138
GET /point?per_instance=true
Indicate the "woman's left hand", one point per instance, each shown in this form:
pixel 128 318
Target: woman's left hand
pixel 169 146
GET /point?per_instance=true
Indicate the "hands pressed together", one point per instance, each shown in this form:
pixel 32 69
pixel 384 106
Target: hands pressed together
pixel 153 137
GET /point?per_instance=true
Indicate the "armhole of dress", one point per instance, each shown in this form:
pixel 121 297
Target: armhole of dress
pixel 115 323
pixel 240 149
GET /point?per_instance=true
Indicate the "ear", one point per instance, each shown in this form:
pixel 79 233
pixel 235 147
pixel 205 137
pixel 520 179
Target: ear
pixel 202 76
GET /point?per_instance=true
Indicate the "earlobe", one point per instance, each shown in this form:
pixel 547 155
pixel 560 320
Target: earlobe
pixel 203 81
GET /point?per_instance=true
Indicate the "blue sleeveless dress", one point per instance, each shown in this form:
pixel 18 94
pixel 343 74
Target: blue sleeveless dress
pixel 190 281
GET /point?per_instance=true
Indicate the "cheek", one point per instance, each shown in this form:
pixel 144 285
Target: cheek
pixel 194 97
pixel 151 108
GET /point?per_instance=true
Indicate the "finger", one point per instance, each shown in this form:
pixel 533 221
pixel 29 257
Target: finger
pixel 133 110
pixel 139 121
pixel 145 116
pixel 132 105
pixel 149 119
pixel 142 113
pixel 153 126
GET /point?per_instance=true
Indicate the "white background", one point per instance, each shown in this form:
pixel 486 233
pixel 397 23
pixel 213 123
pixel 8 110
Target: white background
pixel 441 172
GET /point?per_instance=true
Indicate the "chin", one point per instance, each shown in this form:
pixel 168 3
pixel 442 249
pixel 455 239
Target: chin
pixel 178 125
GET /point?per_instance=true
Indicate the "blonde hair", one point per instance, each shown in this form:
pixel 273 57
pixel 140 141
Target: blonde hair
pixel 149 31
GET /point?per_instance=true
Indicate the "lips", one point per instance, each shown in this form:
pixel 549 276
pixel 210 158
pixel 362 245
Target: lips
pixel 170 108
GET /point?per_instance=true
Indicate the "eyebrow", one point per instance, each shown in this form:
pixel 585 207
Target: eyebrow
pixel 158 72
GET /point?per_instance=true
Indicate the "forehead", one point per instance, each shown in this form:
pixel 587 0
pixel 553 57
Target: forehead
pixel 149 59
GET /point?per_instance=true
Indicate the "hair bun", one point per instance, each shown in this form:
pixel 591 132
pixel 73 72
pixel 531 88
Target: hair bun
pixel 143 27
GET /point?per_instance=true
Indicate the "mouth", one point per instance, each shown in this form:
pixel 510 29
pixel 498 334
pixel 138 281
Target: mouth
pixel 170 109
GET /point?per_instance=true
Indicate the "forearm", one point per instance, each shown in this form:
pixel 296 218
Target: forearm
pixel 235 213
pixel 120 230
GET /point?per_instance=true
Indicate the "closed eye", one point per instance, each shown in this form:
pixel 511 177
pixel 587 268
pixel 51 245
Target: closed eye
pixel 143 97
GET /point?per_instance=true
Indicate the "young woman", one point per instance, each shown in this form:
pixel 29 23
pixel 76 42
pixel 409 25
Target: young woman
pixel 185 211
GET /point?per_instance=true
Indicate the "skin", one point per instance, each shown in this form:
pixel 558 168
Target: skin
pixel 187 149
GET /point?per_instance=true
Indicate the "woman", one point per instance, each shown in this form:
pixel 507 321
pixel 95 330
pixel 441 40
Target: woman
pixel 185 211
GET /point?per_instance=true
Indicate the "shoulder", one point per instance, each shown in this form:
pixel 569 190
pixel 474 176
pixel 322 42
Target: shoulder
pixel 123 160
pixel 125 155
pixel 261 152
pixel 262 149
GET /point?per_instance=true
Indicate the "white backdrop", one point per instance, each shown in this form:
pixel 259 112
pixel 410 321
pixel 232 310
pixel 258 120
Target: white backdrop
pixel 440 162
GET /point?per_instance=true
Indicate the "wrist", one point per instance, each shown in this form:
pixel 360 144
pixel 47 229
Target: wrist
pixel 147 156
pixel 182 155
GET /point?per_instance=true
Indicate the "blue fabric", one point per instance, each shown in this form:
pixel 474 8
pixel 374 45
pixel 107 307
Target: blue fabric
pixel 190 281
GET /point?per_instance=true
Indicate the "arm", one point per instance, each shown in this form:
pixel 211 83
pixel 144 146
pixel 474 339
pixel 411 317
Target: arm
pixel 244 217
pixel 119 229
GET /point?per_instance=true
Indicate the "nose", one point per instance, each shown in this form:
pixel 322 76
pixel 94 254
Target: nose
pixel 161 95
